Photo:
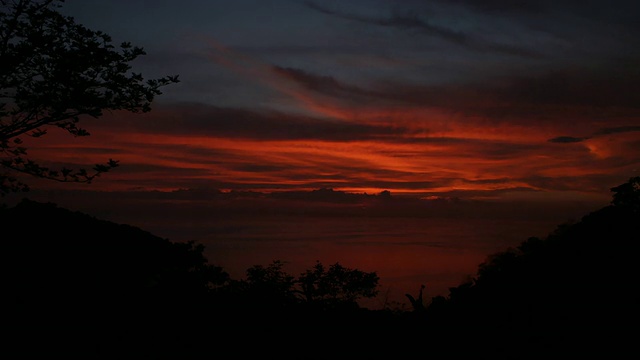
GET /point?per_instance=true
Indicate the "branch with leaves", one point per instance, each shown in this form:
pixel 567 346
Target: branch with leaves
pixel 55 71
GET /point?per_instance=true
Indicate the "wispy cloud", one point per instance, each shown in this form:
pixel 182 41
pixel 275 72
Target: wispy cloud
pixel 188 119
pixel 601 132
pixel 397 21
pixel 618 130
pixel 547 95
pixel 503 6
pixel 413 22
pixel 323 84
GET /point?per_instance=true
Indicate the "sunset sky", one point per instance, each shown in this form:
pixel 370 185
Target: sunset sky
pixel 481 100
pixel 437 98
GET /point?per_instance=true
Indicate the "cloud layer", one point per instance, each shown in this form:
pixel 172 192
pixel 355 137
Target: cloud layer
pixel 441 98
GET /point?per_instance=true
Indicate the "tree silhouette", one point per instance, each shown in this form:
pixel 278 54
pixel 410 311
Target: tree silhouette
pixel 319 288
pixel 627 194
pixel 268 287
pixel 574 291
pixel 54 71
pixel 337 285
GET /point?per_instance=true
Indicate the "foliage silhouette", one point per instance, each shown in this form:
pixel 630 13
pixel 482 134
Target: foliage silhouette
pixel 270 290
pixel 417 303
pixel 628 194
pixel 337 285
pixel 574 291
pixel 54 71
pixel 266 289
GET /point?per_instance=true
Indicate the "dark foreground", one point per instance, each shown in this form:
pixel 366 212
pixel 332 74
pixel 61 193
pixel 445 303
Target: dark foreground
pixel 78 287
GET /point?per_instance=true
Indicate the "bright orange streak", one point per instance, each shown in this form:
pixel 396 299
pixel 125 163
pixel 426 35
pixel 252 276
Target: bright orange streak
pixel 442 151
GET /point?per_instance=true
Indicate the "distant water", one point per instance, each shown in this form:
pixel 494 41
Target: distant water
pixel 406 243
pixel 405 252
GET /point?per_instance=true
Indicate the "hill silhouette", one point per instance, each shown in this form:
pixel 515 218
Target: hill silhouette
pixel 81 286
pixel 576 291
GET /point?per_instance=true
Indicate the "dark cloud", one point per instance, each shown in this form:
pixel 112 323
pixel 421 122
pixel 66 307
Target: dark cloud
pixel 142 168
pixel 206 120
pixel 382 94
pixel 619 12
pixel 323 84
pixel 503 180
pixel 593 183
pixel 396 21
pixel 412 21
pixel 471 194
pixel 602 87
pixel 502 150
pixel 566 139
pixel 617 130
pixel 502 6
pixel 259 168
pixel 506 49
pixel 92 150
pixel 187 154
pixel 589 93
pixel 605 131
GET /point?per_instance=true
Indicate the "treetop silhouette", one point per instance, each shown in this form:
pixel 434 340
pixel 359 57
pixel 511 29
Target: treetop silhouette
pixel 627 194
pixel 54 71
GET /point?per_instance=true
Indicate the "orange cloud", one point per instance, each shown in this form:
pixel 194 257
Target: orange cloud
pixel 407 139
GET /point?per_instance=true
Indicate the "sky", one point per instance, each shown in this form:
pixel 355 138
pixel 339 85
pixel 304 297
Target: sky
pixel 505 101
pixel 436 98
